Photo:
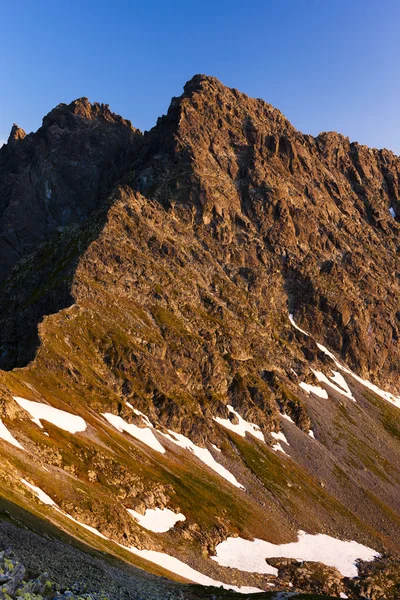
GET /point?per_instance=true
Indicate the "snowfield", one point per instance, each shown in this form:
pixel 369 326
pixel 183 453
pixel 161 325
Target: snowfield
pixel 371 386
pixel 180 568
pixel 280 437
pixel 158 520
pixel 314 389
pixel 242 426
pixel 251 556
pixel 146 435
pixel 43 497
pixel 343 389
pixel 202 454
pixel 143 434
pixel 339 379
pixel 88 527
pixel 60 418
pixel 7 437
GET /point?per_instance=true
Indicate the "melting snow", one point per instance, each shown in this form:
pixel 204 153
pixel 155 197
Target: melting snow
pixel 202 454
pixel 392 212
pixel 340 381
pixel 291 319
pixel 143 434
pixel 88 527
pixel 279 436
pixel 278 448
pixel 251 556
pixel 158 520
pixel 216 448
pixel 180 568
pixel 7 437
pixel 242 426
pixel 343 389
pixel 342 595
pixel 314 389
pixel 39 493
pixel 50 502
pixel 59 418
pixel 374 388
pixel 287 418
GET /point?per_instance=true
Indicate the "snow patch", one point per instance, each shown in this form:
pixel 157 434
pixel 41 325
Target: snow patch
pixel 60 418
pixel 314 389
pixel 282 438
pixel 311 433
pixel 374 388
pixel 291 319
pixel 50 502
pixel 371 386
pixel 180 568
pixel 392 212
pixel 278 448
pixel 43 497
pixel 341 390
pixel 202 454
pixel 158 520
pixel 341 382
pixel 242 426
pixel 287 418
pixel 279 436
pixel 7 437
pixel 143 434
pixel 88 527
pixel 137 412
pixel 251 556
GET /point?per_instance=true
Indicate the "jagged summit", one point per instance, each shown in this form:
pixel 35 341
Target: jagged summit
pixel 201 83
pixel 63 114
pixel 16 134
pixel 213 308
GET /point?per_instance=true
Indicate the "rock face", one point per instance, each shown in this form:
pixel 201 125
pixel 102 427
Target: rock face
pixel 158 272
pixel 59 175
pixel 261 194
pixel 315 208
pixel 50 181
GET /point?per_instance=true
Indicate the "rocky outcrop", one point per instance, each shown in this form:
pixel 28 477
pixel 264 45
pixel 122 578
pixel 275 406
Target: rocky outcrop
pixel 157 272
pixel 59 175
pixel 261 195
pixel 315 209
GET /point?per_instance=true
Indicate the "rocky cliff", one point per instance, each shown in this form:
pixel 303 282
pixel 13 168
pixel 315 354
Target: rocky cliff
pixel 151 277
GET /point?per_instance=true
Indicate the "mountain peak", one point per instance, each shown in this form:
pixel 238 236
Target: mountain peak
pixel 82 108
pixel 201 81
pixel 17 133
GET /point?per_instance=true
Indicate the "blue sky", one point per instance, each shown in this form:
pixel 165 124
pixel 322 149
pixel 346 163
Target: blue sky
pixel 326 64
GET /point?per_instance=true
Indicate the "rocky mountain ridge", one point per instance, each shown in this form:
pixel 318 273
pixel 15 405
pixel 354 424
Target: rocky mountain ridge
pixel 150 291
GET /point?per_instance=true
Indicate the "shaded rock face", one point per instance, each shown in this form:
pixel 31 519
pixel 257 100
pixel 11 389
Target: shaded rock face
pixel 51 181
pixel 263 196
pixel 59 175
pixel 313 212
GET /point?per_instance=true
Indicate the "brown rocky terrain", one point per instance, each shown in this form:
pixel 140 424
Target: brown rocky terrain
pixel 159 271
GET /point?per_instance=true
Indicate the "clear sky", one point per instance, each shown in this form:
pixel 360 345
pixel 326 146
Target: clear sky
pixel 326 64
